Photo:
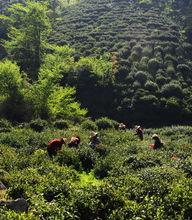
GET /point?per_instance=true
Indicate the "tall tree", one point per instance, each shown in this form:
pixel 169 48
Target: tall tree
pixel 28 31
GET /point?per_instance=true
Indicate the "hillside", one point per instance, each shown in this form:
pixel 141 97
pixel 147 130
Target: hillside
pixel 70 72
pixel 126 60
pixel 94 27
pixel 122 179
pixel 151 56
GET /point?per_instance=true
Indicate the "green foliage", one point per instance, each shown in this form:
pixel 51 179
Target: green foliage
pixel 141 77
pixel 89 125
pixel 38 125
pixel 48 97
pixel 173 104
pixel 153 66
pixel 172 90
pixel 130 181
pixel 61 124
pixel 151 86
pixel 69 157
pixel 105 123
pixel 170 69
pixel 5 125
pixel 62 104
pixel 102 169
pixel 10 78
pixel 101 67
pixel 185 70
pixel 115 65
pixel 88 158
pixel 27 35
pixel 14 105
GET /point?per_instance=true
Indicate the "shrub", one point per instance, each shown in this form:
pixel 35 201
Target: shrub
pixel 143 63
pixel 102 168
pixel 17 192
pixel 51 192
pixel 5 125
pixel 185 70
pixel 170 70
pixel 132 43
pixel 141 77
pixel 125 52
pixel 149 101
pixel 38 125
pixel 153 66
pixel 61 124
pixel 173 104
pixel 134 57
pixel 147 52
pixel 151 86
pixel 170 59
pixel 161 80
pixel 178 201
pixel 137 49
pixel 69 157
pixel 172 90
pixel 106 123
pixel 89 125
pixel 4 177
pixel 136 85
pixel 87 157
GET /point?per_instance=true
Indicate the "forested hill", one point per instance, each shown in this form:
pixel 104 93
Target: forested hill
pixel 149 45
pixel 94 26
pixel 132 58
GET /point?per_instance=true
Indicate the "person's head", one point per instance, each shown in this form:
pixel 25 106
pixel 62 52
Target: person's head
pixel 155 137
pixel 76 137
pixel 94 134
pixel 137 127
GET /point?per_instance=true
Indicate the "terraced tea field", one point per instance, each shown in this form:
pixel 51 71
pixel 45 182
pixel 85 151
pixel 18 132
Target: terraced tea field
pixel 96 26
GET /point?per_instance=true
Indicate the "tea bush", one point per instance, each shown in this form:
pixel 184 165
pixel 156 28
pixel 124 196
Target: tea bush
pixel 5 125
pixel 38 125
pixel 62 124
pixel 106 123
pixel 124 180
pixel 89 125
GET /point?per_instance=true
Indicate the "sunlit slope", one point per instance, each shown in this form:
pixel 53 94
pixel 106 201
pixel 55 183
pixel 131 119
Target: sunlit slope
pixel 95 26
pixel 121 179
pixel 150 54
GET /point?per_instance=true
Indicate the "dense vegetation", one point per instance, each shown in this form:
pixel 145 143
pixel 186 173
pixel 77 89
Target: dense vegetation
pixel 66 62
pixel 123 179
pixel 131 60
pixel 148 43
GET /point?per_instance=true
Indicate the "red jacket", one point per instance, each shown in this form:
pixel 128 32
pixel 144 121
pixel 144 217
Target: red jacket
pixel 55 144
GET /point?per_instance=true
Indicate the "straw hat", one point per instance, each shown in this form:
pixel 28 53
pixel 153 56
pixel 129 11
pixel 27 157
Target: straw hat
pixel 155 136
pixel 94 134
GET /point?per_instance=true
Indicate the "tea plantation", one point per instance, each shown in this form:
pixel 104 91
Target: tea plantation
pixel 150 52
pixel 66 67
pixel 122 179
